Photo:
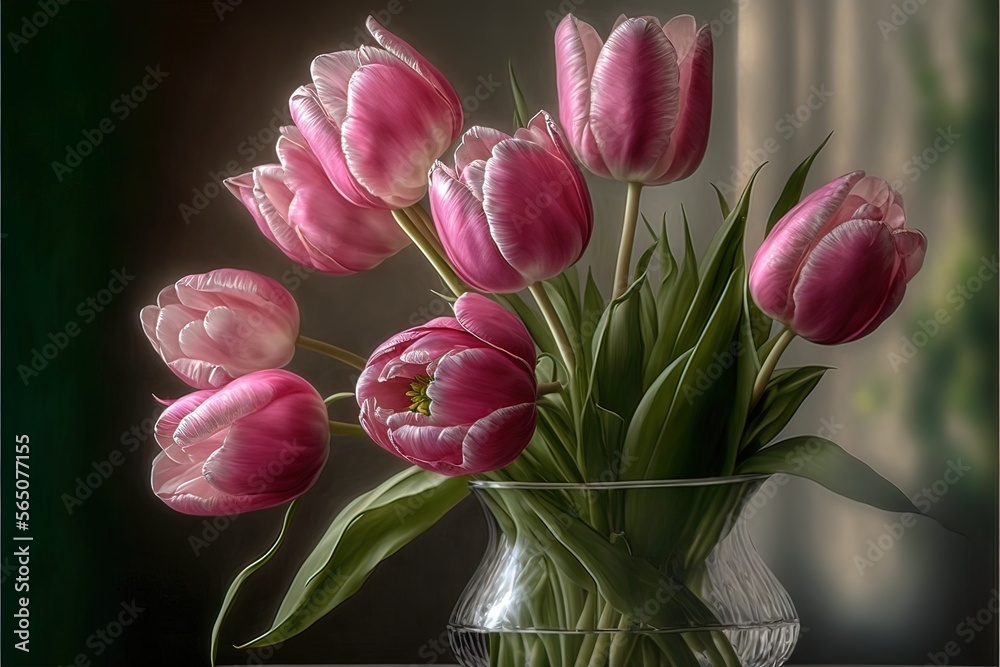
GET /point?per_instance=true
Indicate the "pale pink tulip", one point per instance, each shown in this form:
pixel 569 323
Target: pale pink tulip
pixel 260 441
pixel 298 209
pixel 213 327
pixel 455 396
pixel 836 266
pixel 637 108
pixel 377 119
pixel 515 210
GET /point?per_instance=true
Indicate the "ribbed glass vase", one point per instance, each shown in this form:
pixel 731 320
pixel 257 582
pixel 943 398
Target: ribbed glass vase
pixel 620 574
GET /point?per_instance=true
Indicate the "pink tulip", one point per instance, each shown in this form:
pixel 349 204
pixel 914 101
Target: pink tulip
pixel 836 266
pixel 515 210
pixel 260 441
pixel 298 210
pixel 213 327
pixel 377 119
pixel 636 108
pixel 455 396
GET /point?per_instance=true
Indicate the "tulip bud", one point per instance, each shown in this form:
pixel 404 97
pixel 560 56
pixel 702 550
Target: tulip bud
pixel 455 396
pixel 836 266
pixel 213 327
pixel 260 441
pixel 377 119
pixel 298 209
pixel 636 108
pixel 515 210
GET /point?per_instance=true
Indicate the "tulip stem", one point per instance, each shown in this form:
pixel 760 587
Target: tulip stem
pixel 549 388
pixel 768 367
pixel 332 351
pixel 343 428
pixel 425 224
pixel 427 248
pixel 340 396
pixel 556 326
pixel 628 239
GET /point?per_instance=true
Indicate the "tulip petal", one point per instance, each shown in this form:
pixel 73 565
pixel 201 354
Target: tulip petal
pixel 239 398
pixel 496 326
pixel 278 450
pixel 470 384
pixel 477 144
pixel 324 138
pixel 911 245
pixel 689 140
pixel 635 99
pixel 340 237
pixel 424 443
pixel 170 419
pixel 844 282
pixel 497 440
pixel 577 48
pixel 534 222
pixel 390 142
pixel 402 50
pixel 780 255
pixel 465 235
pixel 200 374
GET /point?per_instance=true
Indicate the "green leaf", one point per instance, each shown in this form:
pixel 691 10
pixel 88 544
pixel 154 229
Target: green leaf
pixel 564 292
pixel 781 399
pixel 536 327
pixel 616 383
pixel 234 587
pixel 723 204
pixel 825 463
pixel 673 300
pixel 593 308
pixel 521 114
pixel 724 255
pixel 792 192
pixel 369 530
pixel 665 425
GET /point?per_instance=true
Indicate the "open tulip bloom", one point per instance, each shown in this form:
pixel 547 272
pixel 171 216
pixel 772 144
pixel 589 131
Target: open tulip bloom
pixel 584 384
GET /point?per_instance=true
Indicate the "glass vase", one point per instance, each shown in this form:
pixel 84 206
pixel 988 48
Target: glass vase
pixel 619 574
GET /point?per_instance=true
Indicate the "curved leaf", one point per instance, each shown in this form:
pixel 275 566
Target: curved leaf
pixel 369 530
pixel 234 587
pixel 825 463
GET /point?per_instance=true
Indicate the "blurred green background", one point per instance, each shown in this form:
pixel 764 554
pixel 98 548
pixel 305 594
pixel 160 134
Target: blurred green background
pixel 910 88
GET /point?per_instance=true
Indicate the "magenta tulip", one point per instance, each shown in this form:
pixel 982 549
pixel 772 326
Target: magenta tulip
pixel 455 396
pixel 298 209
pixel 260 441
pixel 636 108
pixel 515 210
pixel 213 327
pixel 836 266
pixel 377 119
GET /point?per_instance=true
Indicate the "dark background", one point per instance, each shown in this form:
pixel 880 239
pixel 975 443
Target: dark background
pixel 230 68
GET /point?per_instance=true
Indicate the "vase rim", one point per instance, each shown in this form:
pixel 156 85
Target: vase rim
pixel 629 484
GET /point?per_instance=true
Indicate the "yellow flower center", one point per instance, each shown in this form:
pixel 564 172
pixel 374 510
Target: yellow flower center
pixel 419 400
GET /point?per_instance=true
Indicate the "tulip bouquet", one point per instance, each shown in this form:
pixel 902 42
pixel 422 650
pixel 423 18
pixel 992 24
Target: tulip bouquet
pixel 541 378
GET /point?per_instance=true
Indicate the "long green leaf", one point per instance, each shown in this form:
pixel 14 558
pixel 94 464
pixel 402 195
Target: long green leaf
pixel 825 463
pixel 785 392
pixel 234 587
pixel 792 192
pixel 369 530
pixel 521 113
pixel 536 327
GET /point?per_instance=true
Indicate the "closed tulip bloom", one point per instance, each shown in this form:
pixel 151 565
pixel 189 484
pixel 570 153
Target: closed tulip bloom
pixel 456 395
pixel 213 327
pixel 636 108
pixel 836 266
pixel 377 119
pixel 260 441
pixel 514 210
pixel 298 209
